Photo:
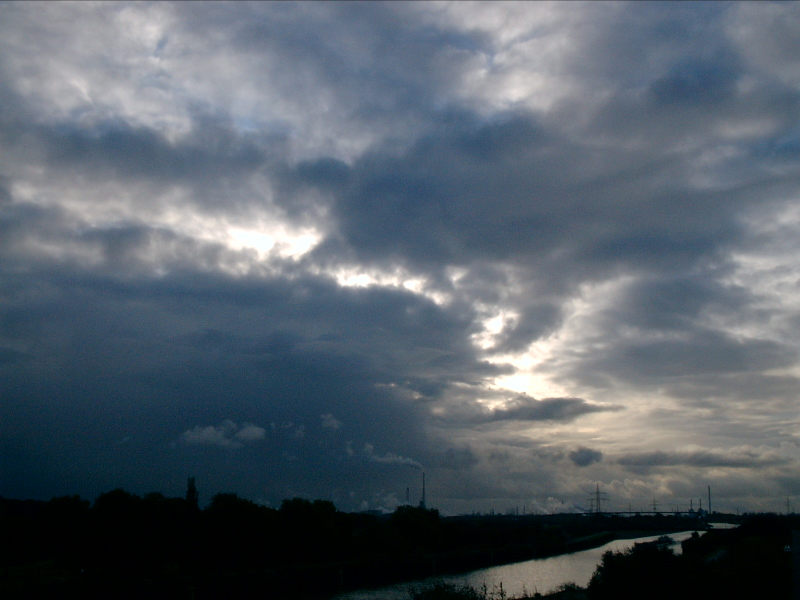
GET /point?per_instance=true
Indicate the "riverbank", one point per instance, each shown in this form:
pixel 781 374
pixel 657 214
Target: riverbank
pixel 452 592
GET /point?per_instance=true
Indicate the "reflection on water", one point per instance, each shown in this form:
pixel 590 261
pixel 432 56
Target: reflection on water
pixel 541 575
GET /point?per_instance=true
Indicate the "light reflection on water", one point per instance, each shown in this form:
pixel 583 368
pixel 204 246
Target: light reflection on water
pixel 541 575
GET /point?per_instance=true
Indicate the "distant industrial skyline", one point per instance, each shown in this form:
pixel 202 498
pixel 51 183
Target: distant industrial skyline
pixel 313 249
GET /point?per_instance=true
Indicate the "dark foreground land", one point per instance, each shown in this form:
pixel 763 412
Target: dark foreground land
pixel 124 546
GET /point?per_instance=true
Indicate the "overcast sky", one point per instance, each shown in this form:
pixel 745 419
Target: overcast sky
pixel 314 249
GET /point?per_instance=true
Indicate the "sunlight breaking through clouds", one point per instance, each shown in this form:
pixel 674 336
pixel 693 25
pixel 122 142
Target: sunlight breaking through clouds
pixel 276 239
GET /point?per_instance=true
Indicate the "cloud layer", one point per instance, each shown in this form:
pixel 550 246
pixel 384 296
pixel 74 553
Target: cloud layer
pixel 310 249
pixel 227 435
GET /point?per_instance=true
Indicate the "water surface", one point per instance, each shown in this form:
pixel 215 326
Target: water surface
pixel 541 575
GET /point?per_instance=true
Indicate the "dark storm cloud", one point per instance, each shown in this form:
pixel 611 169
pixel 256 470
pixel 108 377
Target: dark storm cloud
pixel 745 387
pixel 696 353
pixel 213 159
pixel 460 459
pixel 155 361
pixel 535 322
pixel 43 237
pixel 696 83
pixel 698 459
pixel 10 356
pixel 380 71
pixel 583 457
pixel 547 409
pixel 213 150
pixel 516 190
pixel 527 409
pixel 390 39
pixel 676 304
pixel 451 199
pixel 5 194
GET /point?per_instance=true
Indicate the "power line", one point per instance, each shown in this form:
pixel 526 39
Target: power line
pixel 596 500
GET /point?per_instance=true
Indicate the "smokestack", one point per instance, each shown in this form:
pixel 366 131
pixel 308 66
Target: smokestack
pixel 422 501
pixel 709 499
pixel 192 496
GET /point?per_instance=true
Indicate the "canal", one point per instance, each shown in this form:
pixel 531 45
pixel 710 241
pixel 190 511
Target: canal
pixel 541 575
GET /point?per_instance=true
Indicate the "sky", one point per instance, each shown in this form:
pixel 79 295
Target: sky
pixel 315 249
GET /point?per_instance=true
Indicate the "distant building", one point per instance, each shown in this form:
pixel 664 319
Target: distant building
pixel 192 497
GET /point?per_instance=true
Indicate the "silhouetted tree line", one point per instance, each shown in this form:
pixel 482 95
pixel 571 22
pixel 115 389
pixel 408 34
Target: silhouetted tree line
pixel 752 561
pixel 124 545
